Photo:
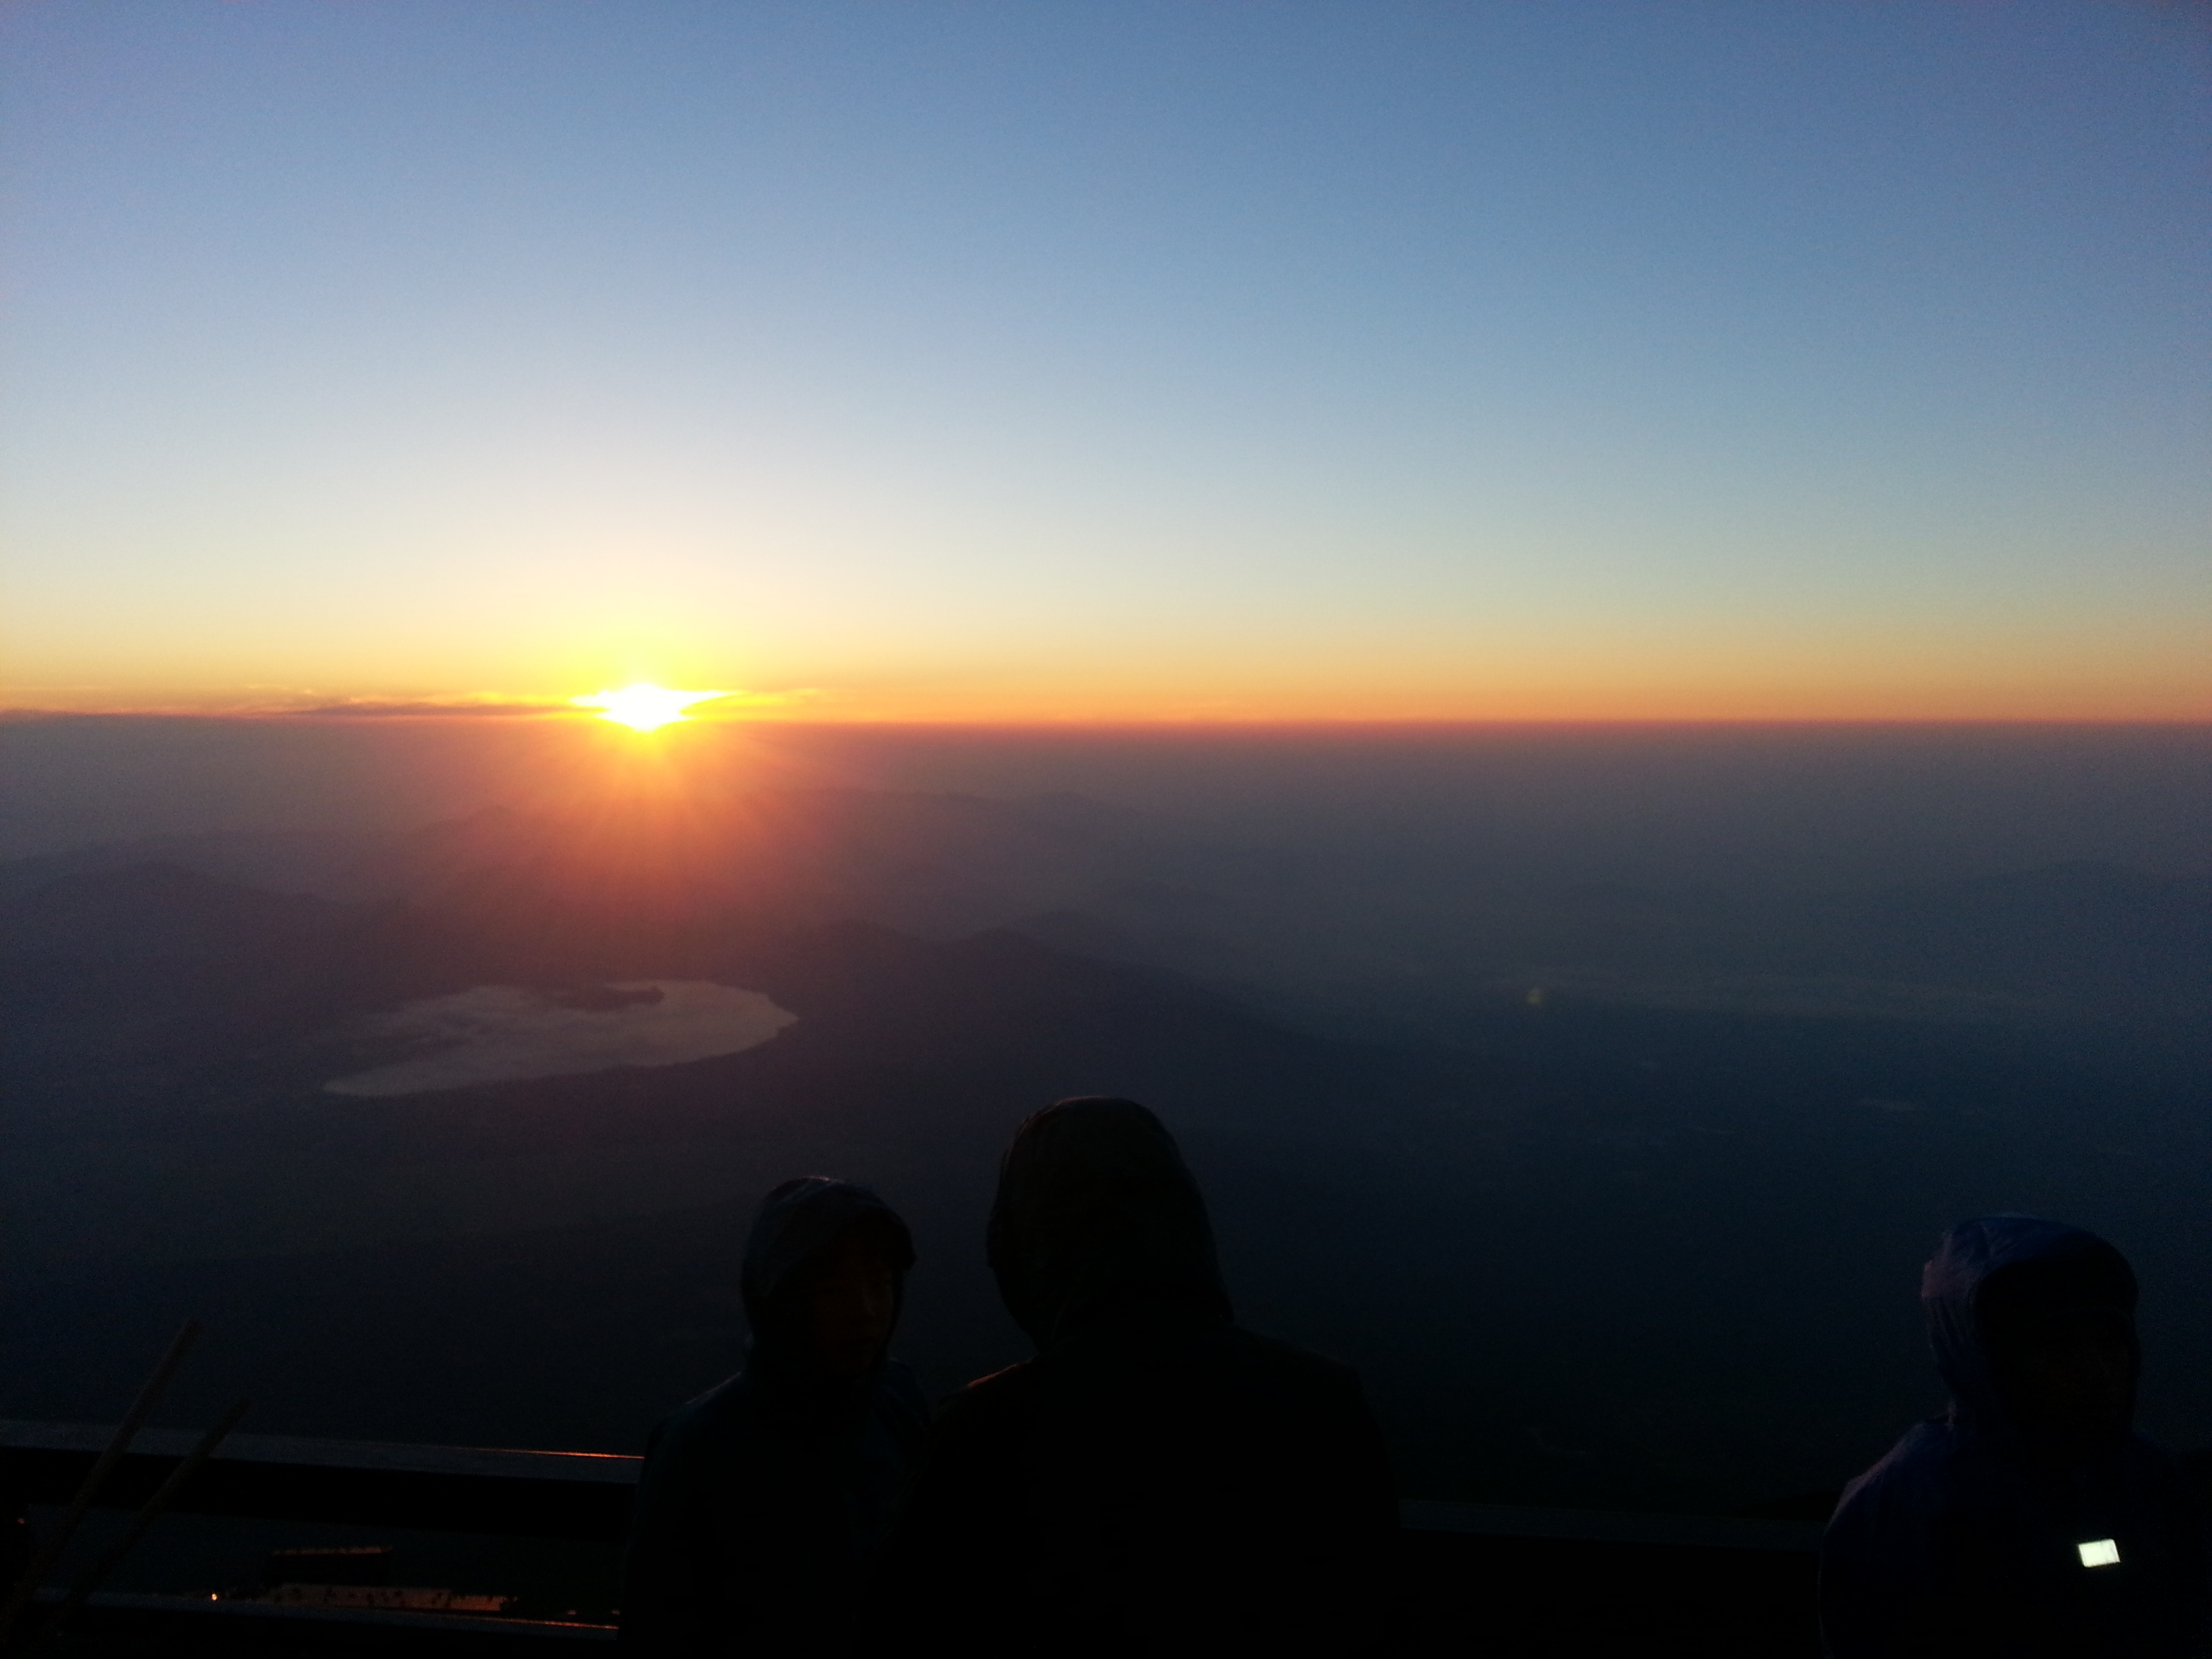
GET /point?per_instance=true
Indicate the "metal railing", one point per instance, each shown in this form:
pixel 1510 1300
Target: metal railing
pixel 1534 1581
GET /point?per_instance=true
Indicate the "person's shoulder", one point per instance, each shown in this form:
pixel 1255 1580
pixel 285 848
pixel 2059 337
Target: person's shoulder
pixel 899 1395
pixel 2143 1453
pixel 731 1397
pixel 2180 1483
pixel 1284 1384
pixel 728 1406
pixel 990 1410
pixel 688 1444
pixel 1002 1391
pixel 1288 1365
pixel 1910 1482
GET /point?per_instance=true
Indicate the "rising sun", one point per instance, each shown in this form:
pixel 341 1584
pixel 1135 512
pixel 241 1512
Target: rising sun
pixel 644 708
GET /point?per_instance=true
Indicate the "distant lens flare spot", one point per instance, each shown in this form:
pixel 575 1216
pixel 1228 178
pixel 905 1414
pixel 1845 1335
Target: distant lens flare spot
pixel 644 708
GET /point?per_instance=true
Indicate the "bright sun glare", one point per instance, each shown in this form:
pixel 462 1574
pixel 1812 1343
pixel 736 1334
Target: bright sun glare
pixel 643 708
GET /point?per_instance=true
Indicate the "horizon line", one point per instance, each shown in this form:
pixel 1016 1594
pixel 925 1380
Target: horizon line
pixel 382 714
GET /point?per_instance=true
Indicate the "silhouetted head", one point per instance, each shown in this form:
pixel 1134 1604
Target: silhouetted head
pixel 2033 1324
pixel 825 1269
pixel 1097 1213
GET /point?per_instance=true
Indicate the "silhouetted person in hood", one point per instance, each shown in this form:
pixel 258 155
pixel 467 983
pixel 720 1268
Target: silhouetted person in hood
pixel 1156 1479
pixel 761 1500
pixel 2031 1520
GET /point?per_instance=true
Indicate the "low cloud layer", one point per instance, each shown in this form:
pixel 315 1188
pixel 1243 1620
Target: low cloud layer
pixel 370 708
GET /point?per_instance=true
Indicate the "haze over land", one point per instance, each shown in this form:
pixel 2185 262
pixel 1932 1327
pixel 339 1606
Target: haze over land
pixel 1646 1236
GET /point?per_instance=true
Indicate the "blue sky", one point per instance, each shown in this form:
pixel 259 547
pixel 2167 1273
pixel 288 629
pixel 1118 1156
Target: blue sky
pixel 1129 360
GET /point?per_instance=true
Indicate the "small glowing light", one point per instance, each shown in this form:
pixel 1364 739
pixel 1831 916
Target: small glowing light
pixel 644 708
pixel 2100 1552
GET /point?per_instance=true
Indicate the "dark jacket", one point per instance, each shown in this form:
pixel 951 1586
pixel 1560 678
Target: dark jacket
pixel 1156 1479
pixel 761 1500
pixel 1963 1543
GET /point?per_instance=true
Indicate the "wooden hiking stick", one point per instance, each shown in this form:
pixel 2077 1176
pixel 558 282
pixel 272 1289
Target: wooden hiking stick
pixel 146 1518
pixel 73 1517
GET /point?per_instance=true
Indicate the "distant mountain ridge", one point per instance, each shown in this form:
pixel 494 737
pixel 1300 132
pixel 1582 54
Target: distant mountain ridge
pixel 145 994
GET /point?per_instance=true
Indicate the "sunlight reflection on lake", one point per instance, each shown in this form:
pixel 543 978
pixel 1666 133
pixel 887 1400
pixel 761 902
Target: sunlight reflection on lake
pixel 505 1033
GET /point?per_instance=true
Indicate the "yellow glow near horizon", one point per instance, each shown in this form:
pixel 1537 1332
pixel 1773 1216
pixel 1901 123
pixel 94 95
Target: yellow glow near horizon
pixel 642 707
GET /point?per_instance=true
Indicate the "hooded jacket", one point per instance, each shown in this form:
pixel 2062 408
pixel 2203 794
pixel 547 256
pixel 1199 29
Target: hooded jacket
pixel 761 1501
pixel 1963 1543
pixel 1155 1479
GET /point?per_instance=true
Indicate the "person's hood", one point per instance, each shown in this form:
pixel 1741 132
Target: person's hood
pixel 1954 1291
pixel 1097 1213
pixel 797 1224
